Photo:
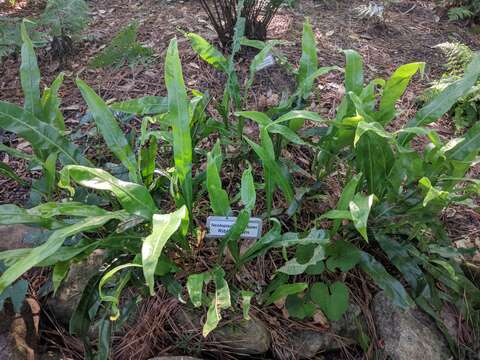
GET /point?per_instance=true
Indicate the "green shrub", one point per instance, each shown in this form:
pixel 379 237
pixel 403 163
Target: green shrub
pixel 65 17
pixel 465 112
pixel 123 49
pixel 61 21
pixel 388 211
pixel 10 35
pixel 462 9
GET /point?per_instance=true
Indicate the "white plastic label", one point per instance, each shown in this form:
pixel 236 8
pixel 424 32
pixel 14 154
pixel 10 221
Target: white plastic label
pixel 218 227
pixel 267 62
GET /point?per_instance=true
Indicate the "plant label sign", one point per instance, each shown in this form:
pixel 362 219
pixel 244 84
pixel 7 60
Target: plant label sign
pixel 266 63
pixel 218 227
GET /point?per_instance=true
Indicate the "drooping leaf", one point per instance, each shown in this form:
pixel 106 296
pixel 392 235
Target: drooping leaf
pixel 208 52
pixel 133 197
pixel 469 147
pixel 147 105
pixel 111 132
pixel 220 301
pixel 163 227
pixel 54 242
pixel 255 64
pixel 113 298
pixel 43 137
pixel 364 127
pixel 446 99
pixel 294 267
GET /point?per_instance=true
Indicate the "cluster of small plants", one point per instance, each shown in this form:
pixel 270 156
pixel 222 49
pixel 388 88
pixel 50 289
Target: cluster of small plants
pixel 462 9
pixel 147 217
pixel 465 112
pixel 123 49
pixel 374 11
pixel 58 25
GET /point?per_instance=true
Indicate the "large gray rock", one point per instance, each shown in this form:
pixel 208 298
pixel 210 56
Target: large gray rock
pixel 305 344
pixel 68 295
pixel 17 236
pixel 244 337
pixel 407 334
pixel 248 337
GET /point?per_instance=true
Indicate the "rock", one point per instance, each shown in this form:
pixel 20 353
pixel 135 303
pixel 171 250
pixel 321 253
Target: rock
pixel 19 332
pixel 68 295
pixel 175 358
pixel 407 334
pixel 248 337
pixel 307 343
pixel 244 336
pixel 17 236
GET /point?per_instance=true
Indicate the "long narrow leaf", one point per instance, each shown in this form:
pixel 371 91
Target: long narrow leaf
pixel 308 61
pixel 179 116
pixel 111 132
pixel 54 242
pixel 50 102
pixel 446 99
pixel 29 75
pixel 42 136
pixel 218 197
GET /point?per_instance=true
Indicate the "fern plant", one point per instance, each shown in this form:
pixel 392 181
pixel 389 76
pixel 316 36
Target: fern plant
pixel 466 111
pixel 375 12
pixel 65 17
pixel 10 36
pixel 124 49
pixel 462 9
